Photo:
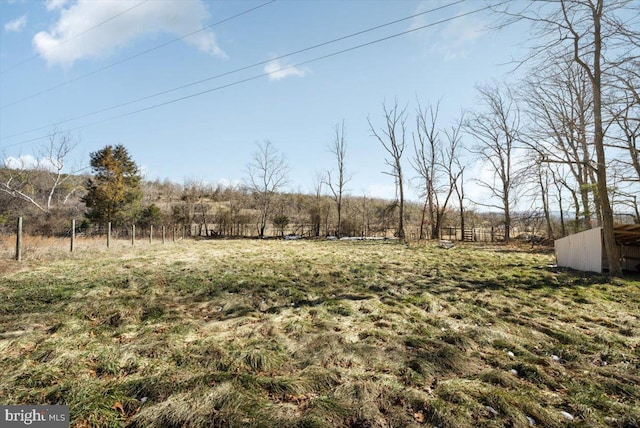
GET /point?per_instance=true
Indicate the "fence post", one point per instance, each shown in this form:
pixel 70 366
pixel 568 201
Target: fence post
pixel 133 235
pixel 173 233
pixel 183 232
pixel 19 240
pixel 73 233
pixel 109 235
pixel 150 234
pixel 164 230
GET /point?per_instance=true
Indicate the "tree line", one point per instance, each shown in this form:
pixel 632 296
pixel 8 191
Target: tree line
pixel 558 151
pixel 114 192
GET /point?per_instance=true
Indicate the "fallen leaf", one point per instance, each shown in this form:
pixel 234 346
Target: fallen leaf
pixel 118 406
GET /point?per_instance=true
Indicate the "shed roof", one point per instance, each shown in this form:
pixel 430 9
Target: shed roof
pixel 627 234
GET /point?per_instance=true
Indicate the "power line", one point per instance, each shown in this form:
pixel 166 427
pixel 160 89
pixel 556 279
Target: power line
pixel 72 38
pixel 245 67
pixel 255 77
pixel 353 48
pixel 139 54
pixel 218 76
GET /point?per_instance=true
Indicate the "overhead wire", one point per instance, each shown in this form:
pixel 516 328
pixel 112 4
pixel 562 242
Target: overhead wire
pixel 294 66
pixel 139 54
pixel 258 76
pixel 73 38
pixel 237 70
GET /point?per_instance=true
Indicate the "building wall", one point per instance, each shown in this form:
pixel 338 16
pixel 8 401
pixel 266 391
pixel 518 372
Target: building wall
pixel 582 251
pixel 631 258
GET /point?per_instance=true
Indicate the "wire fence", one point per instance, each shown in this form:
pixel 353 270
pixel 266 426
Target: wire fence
pixel 19 244
pixel 73 238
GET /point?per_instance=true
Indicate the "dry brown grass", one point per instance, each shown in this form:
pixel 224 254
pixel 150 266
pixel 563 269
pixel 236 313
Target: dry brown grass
pixel 275 333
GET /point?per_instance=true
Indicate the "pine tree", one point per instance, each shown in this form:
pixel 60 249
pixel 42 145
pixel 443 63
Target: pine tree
pixel 113 193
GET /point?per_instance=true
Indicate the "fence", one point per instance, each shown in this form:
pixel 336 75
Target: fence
pixel 108 235
pixel 163 234
pixel 483 234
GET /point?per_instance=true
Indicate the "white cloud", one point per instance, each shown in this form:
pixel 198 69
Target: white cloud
pixel 459 35
pixel 27 162
pixel 16 25
pixel 453 39
pixel 55 4
pixel 60 46
pixel 278 70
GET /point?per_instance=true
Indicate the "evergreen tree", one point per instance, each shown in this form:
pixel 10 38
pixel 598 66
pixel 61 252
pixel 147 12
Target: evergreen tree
pixel 150 216
pixel 113 193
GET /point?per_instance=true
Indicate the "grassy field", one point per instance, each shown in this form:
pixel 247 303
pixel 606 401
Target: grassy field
pixel 314 334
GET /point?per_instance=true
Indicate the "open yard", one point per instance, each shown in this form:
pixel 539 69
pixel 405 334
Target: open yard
pixel 312 333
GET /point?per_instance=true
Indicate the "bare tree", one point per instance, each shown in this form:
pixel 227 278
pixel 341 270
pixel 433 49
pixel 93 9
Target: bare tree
pixel 16 183
pixel 560 105
pixel 426 146
pixel 25 182
pixel 454 167
pixel 624 107
pixel 459 188
pixel 629 124
pixel 496 132
pixel 558 181
pixel 626 171
pixel 55 154
pixel 267 174
pixel 626 113
pixel 338 148
pixel 196 204
pixel 436 165
pixel 625 191
pixel 542 176
pixel 601 42
pixel 365 216
pixel 392 137
pixel 315 210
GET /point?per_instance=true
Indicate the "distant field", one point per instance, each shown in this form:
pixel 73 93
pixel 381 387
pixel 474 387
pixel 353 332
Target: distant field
pixel 314 334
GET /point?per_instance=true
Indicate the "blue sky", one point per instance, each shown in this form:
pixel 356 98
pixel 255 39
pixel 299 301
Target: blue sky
pixel 210 137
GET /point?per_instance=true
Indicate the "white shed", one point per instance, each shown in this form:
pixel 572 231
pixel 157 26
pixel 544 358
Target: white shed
pixel 585 250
